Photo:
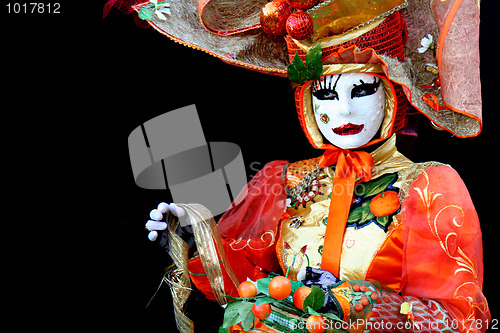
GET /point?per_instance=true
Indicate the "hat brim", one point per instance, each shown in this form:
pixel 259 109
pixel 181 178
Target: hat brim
pixel 454 105
pixel 252 49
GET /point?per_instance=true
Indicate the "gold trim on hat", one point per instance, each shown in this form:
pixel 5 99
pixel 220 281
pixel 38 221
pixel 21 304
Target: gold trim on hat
pixel 307 44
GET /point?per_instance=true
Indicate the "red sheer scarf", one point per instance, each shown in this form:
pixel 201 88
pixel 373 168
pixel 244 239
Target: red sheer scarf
pixel 251 226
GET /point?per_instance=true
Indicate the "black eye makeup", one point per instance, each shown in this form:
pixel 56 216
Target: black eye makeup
pixel 365 89
pixel 323 89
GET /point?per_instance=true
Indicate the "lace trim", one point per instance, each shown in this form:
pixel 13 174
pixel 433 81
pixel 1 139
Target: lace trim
pixel 407 176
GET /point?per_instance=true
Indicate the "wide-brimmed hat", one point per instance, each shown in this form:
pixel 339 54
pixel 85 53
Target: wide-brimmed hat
pixel 428 48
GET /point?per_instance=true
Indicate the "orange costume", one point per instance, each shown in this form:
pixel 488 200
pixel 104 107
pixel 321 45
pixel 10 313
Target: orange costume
pixel 429 253
pixel 371 217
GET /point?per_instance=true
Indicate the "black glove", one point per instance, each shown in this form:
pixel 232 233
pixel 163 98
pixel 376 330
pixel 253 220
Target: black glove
pixel 322 279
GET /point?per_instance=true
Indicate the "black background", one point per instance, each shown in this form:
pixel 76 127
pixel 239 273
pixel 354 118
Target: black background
pixel 76 85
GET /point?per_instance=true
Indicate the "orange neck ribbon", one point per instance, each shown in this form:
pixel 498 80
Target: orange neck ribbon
pixel 349 164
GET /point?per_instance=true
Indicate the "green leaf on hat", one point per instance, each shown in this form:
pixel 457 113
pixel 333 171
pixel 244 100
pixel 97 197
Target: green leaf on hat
pixel 299 72
pixel 314 54
pixel 296 69
pixel 145 14
pixel 313 62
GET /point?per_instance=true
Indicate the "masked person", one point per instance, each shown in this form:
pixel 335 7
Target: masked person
pixel 387 240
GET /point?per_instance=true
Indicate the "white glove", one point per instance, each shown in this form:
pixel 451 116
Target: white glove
pixel 156 215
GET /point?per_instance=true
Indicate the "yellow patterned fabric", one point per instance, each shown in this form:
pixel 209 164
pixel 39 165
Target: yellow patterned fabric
pixel 307 222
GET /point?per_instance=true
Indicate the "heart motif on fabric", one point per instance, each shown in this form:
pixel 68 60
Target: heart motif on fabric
pixel 462 32
pixel 349 243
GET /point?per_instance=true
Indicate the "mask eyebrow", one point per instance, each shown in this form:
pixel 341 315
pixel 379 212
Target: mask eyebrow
pixel 335 85
pixel 365 89
pixel 322 84
pixel 375 83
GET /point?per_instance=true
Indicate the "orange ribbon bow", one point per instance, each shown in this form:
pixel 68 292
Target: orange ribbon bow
pixel 349 164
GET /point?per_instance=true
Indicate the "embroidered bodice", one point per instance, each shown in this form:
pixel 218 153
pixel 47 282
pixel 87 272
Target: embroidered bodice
pixel 373 213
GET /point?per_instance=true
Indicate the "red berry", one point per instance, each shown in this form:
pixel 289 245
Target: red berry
pixel 359 307
pixel 299 25
pixel 302 4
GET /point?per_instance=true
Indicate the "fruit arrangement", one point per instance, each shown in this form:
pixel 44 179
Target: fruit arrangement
pixel 255 300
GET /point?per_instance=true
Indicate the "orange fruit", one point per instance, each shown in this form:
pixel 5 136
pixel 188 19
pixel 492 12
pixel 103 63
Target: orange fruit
pixel 280 287
pixel 261 311
pixel 315 324
pixel 299 296
pixel 247 289
pixel 385 203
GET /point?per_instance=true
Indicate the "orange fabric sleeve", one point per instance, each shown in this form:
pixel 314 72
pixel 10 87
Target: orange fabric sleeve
pixel 442 256
pixel 386 264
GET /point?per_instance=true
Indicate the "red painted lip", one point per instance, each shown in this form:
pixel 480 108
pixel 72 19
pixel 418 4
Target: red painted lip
pixel 348 129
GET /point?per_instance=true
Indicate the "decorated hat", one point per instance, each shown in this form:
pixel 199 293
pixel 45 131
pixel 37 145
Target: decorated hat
pixel 427 50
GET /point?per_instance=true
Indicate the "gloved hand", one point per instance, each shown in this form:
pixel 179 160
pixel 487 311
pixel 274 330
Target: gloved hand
pixel 157 227
pixel 315 276
pixel 155 224
pixel 310 276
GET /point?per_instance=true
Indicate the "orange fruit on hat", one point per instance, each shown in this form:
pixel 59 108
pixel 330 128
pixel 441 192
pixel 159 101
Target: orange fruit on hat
pixel 385 203
pixel 247 289
pixel 280 287
pixel 299 296
pixel 299 25
pixel 273 17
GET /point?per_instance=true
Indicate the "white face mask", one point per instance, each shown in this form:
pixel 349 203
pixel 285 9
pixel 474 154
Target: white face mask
pixel 349 108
